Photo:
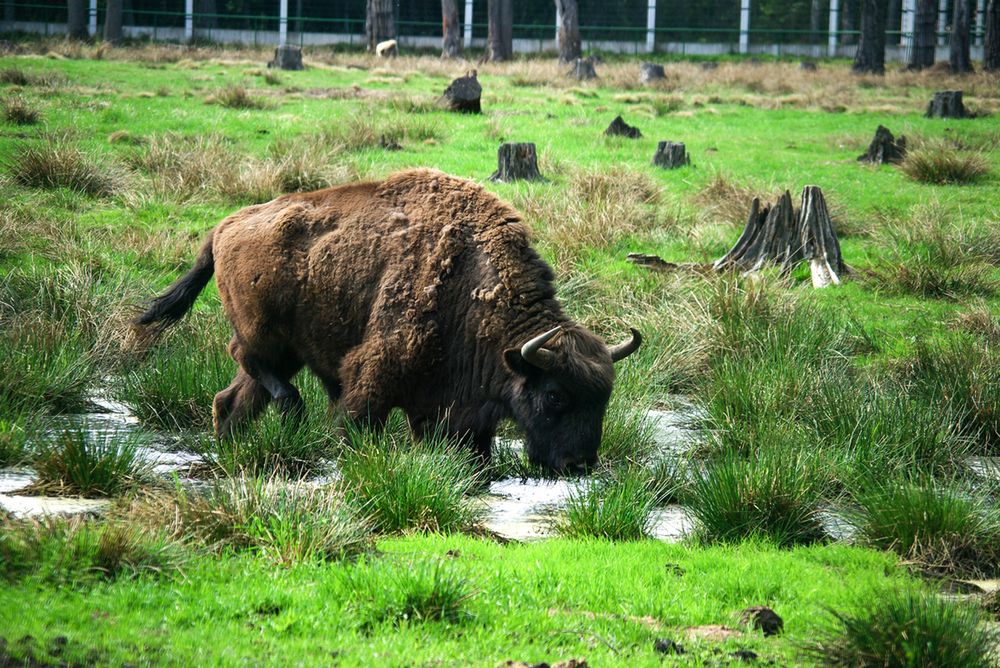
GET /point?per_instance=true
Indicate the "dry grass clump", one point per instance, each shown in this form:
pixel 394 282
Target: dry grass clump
pixel 365 131
pixel 57 162
pixel 18 111
pixel 15 76
pixel 723 199
pixel 597 209
pixel 942 163
pixel 237 97
pixel 977 319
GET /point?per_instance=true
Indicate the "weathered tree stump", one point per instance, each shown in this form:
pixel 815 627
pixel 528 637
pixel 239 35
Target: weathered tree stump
pixel 287 57
pixel 516 162
pixel 807 66
pixel 885 149
pixel 670 155
pixel 464 94
pixel 947 104
pixel 583 69
pixel 650 72
pixel 619 128
pixel 780 236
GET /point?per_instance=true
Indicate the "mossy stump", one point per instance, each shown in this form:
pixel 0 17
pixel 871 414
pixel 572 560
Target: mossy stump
pixel 516 162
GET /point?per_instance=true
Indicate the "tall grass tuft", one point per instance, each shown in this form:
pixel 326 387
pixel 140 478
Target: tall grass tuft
pixel 56 162
pixel 237 97
pixel 942 163
pixel 73 551
pixel 15 434
pixel 421 591
pixel 907 629
pixel 938 525
pixel 270 445
pixel 618 507
pixel 287 522
pixel 84 462
pixel 19 111
pixel 775 495
pixel 408 485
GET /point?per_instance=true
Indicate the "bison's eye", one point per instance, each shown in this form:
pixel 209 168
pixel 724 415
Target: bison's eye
pixel 555 400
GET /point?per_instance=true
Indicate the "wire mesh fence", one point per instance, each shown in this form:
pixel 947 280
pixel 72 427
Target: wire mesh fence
pixel 704 27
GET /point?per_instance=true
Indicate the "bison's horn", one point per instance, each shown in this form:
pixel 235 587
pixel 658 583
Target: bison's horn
pixel 533 353
pixel 626 348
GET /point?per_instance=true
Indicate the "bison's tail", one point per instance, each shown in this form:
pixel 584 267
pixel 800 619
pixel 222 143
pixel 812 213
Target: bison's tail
pixel 171 306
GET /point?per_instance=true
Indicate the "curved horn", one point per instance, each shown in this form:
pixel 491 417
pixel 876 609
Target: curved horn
pixel 534 354
pixel 626 348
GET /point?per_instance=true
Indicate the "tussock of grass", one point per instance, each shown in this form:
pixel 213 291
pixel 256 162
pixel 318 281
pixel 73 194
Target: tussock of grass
pixel 775 496
pixel 937 525
pixel 15 76
pixel 270 445
pixel 407 485
pixel 366 131
pixel 907 629
pixel 55 162
pixel 237 97
pixel 19 111
pixel 14 437
pixel 978 319
pixel 942 163
pixel 723 199
pixel 287 522
pixel 82 461
pixel 618 507
pixel 421 591
pixel 73 551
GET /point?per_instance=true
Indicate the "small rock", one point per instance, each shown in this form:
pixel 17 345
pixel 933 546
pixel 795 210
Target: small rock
pixel 667 646
pixel 762 618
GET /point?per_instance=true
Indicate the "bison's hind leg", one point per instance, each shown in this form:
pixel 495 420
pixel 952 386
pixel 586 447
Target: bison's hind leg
pixel 241 402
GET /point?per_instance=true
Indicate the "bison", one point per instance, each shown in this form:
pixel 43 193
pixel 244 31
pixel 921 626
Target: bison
pixel 421 292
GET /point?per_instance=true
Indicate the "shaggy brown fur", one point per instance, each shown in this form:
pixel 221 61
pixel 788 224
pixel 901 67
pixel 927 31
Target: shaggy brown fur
pixel 414 292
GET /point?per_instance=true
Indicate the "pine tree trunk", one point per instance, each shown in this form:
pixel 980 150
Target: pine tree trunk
pixel 113 22
pixel 894 16
pixel 76 24
pixel 924 28
pixel 958 54
pixel 380 23
pixel 451 29
pixel 847 21
pixel 569 30
pixel 991 47
pixel 500 30
pixel 208 10
pixel 871 50
pixel 815 13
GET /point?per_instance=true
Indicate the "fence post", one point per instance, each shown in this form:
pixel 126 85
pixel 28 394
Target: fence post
pixel 188 20
pixel 744 26
pixel 942 22
pixel 831 39
pixel 92 19
pixel 651 26
pixel 558 23
pixel 282 22
pixel 467 36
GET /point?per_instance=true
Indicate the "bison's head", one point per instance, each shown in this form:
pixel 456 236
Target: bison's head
pixel 562 383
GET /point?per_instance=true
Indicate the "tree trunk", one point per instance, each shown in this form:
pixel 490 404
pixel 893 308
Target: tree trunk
pixel 847 21
pixel 380 23
pixel 113 22
pixel 583 69
pixel 516 162
pixel 924 27
pixel 76 23
pixel 569 30
pixel 958 53
pixel 208 9
pixel 894 17
pixel 815 15
pixel 451 29
pixel 871 50
pixel 500 30
pixel 991 47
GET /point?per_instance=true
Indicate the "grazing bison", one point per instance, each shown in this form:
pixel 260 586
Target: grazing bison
pixel 420 292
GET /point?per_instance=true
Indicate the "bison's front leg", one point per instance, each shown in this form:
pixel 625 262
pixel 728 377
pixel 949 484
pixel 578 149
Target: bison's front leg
pixel 242 401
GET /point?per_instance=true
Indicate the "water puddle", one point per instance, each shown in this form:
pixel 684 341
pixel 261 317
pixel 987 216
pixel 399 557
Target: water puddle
pixel 30 506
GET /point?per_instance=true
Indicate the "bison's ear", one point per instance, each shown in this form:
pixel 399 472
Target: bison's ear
pixel 517 364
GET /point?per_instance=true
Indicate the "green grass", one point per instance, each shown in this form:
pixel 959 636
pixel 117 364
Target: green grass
pixel 82 461
pixel 619 507
pixel 409 485
pixel 388 592
pixel 906 630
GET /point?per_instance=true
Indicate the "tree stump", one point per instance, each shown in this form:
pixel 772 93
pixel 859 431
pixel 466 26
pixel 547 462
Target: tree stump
pixel 287 57
pixel 807 66
pixel 670 155
pixel 947 104
pixel 650 72
pixel 516 162
pixel 619 128
pixel 885 149
pixel 464 94
pixel 780 236
pixel 709 65
pixel 583 69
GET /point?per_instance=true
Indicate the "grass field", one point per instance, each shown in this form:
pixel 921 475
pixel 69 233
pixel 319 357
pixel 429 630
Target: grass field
pixel 871 396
